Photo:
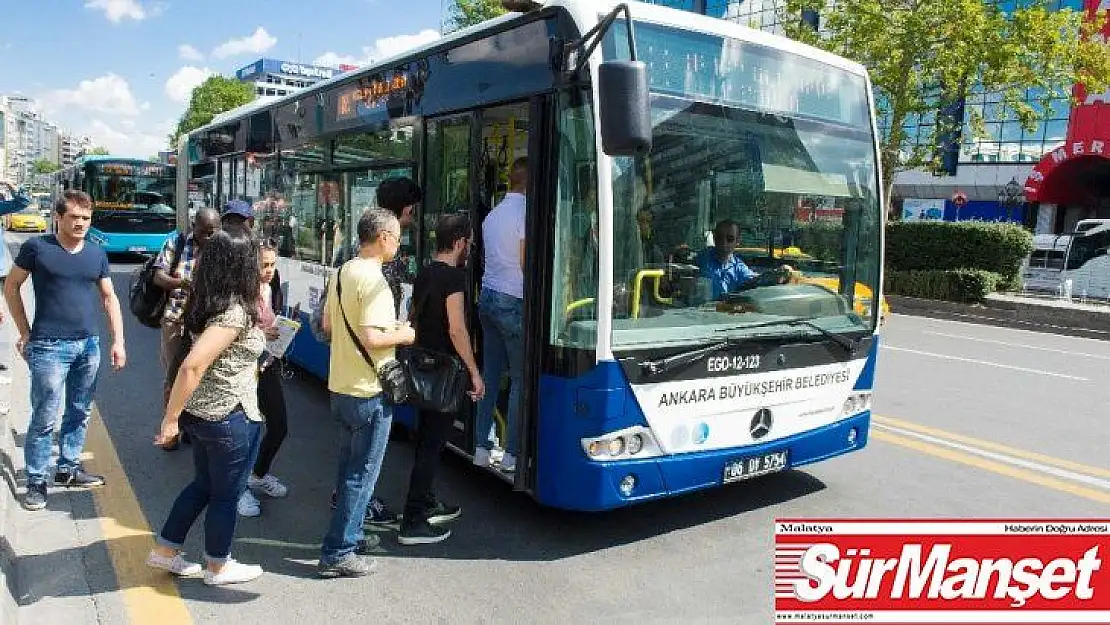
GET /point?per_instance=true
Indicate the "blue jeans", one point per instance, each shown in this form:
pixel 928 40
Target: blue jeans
pixel 502 318
pixel 364 423
pixel 60 370
pixel 223 453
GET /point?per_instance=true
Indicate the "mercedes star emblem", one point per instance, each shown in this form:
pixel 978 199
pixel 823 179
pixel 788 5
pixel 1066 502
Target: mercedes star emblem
pixel 761 424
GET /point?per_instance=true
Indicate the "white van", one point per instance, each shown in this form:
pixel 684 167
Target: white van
pixel 1042 269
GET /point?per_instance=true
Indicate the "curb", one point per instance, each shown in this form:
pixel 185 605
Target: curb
pixel 1009 313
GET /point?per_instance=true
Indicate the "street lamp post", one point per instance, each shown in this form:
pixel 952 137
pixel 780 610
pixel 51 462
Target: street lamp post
pixel 1010 197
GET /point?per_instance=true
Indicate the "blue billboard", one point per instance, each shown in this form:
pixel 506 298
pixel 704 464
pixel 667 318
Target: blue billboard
pixel 285 68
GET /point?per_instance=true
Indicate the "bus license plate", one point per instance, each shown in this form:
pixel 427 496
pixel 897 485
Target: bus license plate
pixel 136 248
pixel 744 468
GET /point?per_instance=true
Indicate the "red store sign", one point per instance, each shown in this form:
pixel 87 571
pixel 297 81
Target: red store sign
pixel 1088 133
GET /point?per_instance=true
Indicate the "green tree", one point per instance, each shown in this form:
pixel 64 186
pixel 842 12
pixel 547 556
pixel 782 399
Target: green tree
pixel 43 166
pixel 470 12
pixel 923 55
pixel 99 150
pixel 215 95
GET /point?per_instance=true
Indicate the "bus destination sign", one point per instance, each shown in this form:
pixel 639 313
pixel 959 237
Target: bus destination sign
pixel 369 94
pixel 129 169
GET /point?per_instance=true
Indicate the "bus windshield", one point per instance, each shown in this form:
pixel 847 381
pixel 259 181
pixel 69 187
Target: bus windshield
pixel 131 187
pixel 760 159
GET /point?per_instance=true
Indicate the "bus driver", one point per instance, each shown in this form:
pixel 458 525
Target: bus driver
pixel 724 268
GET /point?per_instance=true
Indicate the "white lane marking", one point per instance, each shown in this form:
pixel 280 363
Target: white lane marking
pixel 1000 328
pixel 1017 462
pixel 984 362
pixel 1042 349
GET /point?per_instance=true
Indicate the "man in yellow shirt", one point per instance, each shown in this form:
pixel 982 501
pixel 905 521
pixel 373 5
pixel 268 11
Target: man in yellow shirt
pixel 365 313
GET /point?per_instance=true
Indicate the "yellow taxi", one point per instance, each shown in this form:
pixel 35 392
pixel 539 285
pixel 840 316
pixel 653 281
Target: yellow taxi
pixel 29 219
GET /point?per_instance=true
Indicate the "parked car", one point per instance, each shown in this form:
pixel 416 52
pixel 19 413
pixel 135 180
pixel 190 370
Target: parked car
pixel 29 219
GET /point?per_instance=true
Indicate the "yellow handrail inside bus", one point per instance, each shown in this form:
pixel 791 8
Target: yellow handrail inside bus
pixel 573 306
pixel 637 289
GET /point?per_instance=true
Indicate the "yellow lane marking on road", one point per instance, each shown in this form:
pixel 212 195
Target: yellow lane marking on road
pixel 149 596
pixel 995 447
pixel 995 467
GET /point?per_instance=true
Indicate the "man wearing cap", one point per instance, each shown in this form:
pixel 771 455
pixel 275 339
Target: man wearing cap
pixel 176 278
pixel 238 214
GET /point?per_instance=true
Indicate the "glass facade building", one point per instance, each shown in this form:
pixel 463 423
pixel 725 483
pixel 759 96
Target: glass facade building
pixel 984 164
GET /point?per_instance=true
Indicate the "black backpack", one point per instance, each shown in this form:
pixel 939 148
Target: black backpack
pixel 148 300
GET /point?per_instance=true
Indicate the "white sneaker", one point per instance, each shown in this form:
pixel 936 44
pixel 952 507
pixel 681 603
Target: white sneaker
pixel 177 565
pixel 508 463
pixel 482 457
pixel 248 504
pixel 269 485
pixel 233 573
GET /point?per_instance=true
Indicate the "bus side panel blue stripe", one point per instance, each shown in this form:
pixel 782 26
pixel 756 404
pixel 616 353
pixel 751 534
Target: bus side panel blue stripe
pixel 309 353
pixel 572 409
pixel 866 379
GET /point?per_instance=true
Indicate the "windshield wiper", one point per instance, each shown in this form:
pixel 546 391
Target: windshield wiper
pixel 655 367
pixel 849 345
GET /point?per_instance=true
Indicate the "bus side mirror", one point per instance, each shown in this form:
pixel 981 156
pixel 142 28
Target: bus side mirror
pixel 625 108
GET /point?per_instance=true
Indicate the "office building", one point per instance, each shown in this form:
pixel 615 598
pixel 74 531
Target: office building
pixel 27 138
pixel 273 78
pixel 72 147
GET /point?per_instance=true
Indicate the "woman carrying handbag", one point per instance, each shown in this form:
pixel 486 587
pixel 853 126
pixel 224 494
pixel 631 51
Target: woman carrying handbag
pixel 439 318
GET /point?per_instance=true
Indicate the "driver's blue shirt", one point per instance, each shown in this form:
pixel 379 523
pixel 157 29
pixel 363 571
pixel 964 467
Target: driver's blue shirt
pixel 723 277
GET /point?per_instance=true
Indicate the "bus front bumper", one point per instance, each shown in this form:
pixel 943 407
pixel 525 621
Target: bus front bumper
pixel 601 486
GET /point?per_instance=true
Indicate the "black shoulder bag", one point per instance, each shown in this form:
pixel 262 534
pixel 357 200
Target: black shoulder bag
pixel 439 380
pixel 391 375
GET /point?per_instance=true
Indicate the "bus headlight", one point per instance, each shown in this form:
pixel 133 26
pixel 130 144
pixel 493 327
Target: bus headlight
pixel 616 446
pixel 857 403
pixel 634 442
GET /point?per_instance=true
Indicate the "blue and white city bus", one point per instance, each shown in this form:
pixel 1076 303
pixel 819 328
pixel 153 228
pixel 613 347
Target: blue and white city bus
pixel 133 201
pixel 639 383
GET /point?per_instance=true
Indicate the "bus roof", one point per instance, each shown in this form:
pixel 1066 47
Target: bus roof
pixel 586 13
pixel 107 158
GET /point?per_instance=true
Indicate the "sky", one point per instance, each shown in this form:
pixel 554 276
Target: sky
pixel 122 71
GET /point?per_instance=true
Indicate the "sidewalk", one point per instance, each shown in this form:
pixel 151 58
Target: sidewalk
pixel 1028 312
pixel 54 564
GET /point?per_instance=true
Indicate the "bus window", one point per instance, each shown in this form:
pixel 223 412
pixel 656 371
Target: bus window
pixel 377 156
pixel 1087 246
pixel 573 311
pixel 306 221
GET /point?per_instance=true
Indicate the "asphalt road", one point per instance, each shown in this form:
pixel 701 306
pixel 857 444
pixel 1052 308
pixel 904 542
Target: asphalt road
pixel 971 421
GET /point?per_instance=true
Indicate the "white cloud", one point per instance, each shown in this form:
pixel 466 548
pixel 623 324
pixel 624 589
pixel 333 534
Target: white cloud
pixel 389 46
pixel 259 42
pixel 331 59
pixel 117 10
pixel 189 53
pixel 126 140
pixel 179 87
pixel 106 94
pixel 381 49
